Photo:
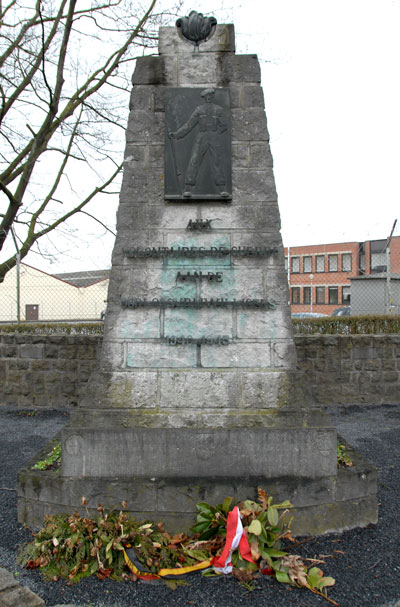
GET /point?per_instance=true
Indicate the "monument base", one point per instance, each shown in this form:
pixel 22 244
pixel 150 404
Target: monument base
pixel 330 503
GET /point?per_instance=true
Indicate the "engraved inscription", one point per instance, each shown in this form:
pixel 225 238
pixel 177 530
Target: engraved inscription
pixel 188 302
pixel 138 252
pixel 173 340
pixel 199 224
pixel 197 276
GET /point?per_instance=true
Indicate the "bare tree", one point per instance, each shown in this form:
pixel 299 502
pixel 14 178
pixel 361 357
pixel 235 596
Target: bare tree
pixel 63 93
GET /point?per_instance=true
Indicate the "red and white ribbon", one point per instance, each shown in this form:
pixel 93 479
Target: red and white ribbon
pixel 235 538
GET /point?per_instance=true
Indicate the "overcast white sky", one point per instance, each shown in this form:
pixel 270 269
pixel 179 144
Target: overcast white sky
pixel 330 74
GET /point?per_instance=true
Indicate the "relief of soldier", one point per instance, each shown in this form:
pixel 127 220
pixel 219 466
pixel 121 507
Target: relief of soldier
pixel 211 122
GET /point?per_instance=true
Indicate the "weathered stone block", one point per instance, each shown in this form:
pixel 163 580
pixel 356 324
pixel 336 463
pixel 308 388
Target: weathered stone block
pixel 149 70
pixel 264 214
pixel 264 325
pixel 373 365
pixel 67 351
pixel 157 283
pixel 250 185
pixel 390 376
pixel 141 323
pixel 283 354
pixel 169 453
pixel 261 390
pixel 237 355
pixel 143 156
pixel 240 68
pixel 142 97
pixel 237 283
pixel 159 356
pixel 145 127
pixel 223 40
pixel 7 351
pixel 8 338
pixel 113 354
pixel 249 125
pixel 40 365
pixel 186 389
pixel 66 365
pixel 199 70
pixel 144 184
pixel 51 350
pixel 31 351
pixel 123 390
pixel 37 339
pixel 329 518
pixel 246 96
pixel 204 322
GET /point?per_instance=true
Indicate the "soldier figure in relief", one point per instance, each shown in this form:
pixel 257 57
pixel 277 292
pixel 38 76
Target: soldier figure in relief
pixel 211 124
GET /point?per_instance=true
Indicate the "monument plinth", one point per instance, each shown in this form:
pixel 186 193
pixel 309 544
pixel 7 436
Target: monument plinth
pixel 197 395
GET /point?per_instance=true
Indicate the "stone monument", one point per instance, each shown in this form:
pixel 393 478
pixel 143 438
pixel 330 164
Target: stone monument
pixel 197 395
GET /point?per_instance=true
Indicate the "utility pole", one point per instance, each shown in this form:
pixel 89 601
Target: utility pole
pixel 389 300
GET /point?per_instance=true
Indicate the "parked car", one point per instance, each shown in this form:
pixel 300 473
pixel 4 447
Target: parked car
pixel 344 311
pixel 308 314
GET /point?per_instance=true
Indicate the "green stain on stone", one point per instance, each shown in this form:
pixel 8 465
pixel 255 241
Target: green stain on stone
pixel 219 241
pixel 148 329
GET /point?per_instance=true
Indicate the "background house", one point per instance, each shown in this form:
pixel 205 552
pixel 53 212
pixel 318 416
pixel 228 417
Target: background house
pixel 47 297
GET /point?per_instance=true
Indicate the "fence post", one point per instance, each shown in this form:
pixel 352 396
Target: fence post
pixel 18 260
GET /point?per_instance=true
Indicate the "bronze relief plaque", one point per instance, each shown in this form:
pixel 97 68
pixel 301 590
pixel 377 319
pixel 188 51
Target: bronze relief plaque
pixel 198 150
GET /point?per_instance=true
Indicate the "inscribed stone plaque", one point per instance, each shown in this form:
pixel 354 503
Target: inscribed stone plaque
pixel 198 144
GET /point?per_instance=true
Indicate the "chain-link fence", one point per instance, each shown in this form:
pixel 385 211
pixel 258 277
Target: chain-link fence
pixel 29 294
pixel 350 278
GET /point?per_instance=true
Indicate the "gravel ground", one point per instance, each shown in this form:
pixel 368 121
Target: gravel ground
pixel 364 562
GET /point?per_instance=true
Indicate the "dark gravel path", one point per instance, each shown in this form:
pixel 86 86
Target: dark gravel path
pixel 364 562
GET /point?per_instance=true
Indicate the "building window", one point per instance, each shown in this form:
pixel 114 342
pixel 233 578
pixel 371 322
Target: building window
pixel 346 262
pixel 307 264
pixel 333 295
pixel 378 256
pixel 286 264
pixel 378 262
pixel 333 263
pixel 320 263
pixel 320 293
pixel 295 265
pixel 346 295
pixel 307 295
pixel 295 295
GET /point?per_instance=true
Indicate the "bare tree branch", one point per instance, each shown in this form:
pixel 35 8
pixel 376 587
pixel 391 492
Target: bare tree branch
pixel 98 221
pixel 10 263
pixel 55 100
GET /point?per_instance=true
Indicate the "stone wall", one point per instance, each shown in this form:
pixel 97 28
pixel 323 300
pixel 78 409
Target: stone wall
pixel 45 370
pixel 52 370
pixel 351 369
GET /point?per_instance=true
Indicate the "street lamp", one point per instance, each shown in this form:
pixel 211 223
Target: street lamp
pixel 311 279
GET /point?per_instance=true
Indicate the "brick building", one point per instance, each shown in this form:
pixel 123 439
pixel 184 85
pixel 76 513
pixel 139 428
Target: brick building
pixel 319 275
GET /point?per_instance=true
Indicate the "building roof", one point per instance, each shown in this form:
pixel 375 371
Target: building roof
pixel 377 276
pixel 83 279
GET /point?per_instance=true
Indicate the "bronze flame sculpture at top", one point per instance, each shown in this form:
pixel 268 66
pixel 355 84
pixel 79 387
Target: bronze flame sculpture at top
pixel 196 28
